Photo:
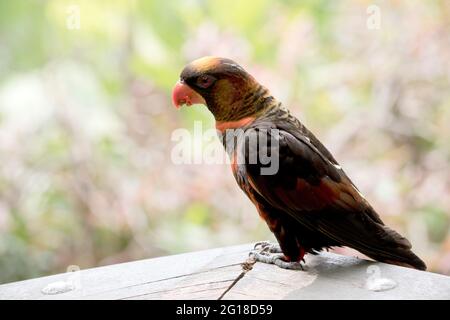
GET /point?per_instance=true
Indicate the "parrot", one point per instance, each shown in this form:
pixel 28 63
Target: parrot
pixel 298 188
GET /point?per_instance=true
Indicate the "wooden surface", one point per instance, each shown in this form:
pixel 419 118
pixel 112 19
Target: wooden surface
pixel 219 274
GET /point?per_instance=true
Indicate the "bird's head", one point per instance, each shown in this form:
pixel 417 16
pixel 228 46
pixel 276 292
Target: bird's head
pixel 228 91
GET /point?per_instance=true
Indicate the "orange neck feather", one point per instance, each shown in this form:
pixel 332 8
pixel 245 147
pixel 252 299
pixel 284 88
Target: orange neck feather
pixel 224 125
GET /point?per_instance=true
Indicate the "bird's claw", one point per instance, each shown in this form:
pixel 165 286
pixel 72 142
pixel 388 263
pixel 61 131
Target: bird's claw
pixel 267 246
pixel 276 259
pixel 288 265
pixel 260 244
pixel 267 252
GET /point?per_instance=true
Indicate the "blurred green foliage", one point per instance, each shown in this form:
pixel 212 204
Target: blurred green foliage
pixel 86 121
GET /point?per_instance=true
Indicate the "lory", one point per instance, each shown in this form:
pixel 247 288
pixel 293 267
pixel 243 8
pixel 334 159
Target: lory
pixel 304 196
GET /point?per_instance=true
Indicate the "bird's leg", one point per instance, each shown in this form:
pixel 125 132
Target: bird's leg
pixel 270 253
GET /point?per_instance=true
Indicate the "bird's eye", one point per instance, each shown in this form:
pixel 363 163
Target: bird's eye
pixel 205 81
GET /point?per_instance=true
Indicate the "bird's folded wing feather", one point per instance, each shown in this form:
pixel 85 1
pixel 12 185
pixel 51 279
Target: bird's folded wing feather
pixel 314 190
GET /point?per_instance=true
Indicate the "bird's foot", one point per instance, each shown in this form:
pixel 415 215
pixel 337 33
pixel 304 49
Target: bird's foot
pixel 267 246
pixel 270 253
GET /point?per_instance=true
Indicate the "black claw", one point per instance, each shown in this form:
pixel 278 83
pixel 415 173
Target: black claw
pixel 261 244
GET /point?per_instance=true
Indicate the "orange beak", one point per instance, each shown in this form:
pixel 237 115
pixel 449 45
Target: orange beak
pixel 183 94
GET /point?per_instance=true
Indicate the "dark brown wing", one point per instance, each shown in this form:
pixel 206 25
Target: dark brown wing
pixel 310 186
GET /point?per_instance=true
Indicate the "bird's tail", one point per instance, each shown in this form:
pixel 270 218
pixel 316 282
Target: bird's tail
pixel 367 233
pixel 398 252
pixel 404 258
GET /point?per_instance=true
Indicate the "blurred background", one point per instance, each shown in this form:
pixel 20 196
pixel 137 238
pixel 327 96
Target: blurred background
pixel 86 121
